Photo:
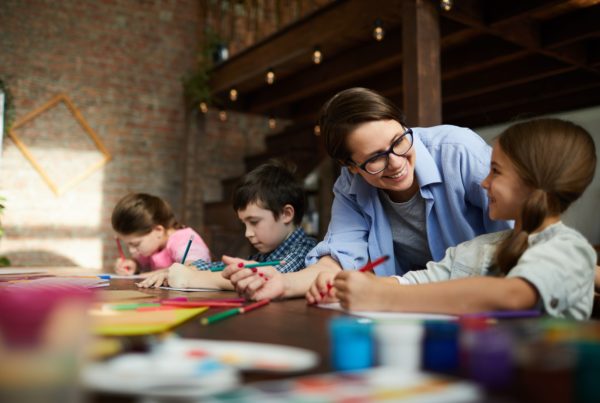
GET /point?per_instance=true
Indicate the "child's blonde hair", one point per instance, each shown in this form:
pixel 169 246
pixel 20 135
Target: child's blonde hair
pixel 139 213
pixel 557 159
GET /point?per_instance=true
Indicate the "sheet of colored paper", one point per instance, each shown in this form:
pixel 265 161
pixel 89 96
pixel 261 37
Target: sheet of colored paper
pixel 136 323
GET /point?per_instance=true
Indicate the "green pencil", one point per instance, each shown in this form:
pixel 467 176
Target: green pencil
pixel 221 315
pixel 261 264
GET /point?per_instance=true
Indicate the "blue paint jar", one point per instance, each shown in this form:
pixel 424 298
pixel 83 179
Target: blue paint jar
pixel 351 341
pixel 440 347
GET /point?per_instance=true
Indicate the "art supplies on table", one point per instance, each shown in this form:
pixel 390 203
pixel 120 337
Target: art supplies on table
pixel 120 295
pixel 121 276
pixel 136 322
pixel 234 311
pixel 160 375
pixel 385 384
pixel 59 282
pixel 389 316
pixel 190 289
pixel 244 355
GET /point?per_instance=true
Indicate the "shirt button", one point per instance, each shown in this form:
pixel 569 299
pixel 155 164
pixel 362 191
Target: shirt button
pixel 554 302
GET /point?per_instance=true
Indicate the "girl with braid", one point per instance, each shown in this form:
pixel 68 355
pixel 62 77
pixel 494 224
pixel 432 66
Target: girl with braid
pixel 538 169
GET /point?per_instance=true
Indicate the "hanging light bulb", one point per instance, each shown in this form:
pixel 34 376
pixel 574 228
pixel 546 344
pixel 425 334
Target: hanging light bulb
pixel 222 115
pixel 317 56
pixel 317 130
pixel 270 77
pixel 446 5
pixel 233 94
pixel 272 123
pixel 203 107
pixel 378 32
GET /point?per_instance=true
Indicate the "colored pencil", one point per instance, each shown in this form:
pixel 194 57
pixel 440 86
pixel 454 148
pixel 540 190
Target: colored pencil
pixel 235 311
pixel 220 316
pixel 262 264
pixel 219 267
pixel 369 266
pixel 187 249
pixel 255 305
pixel 528 313
pixel 120 248
pixel 189 304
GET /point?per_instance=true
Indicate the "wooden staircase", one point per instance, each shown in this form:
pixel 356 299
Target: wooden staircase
pixel 225 233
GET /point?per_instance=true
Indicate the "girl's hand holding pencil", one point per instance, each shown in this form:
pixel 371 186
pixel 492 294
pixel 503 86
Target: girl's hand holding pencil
pixel 125 267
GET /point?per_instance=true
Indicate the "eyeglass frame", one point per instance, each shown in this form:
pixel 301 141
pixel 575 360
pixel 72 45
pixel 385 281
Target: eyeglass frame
pixel 387 153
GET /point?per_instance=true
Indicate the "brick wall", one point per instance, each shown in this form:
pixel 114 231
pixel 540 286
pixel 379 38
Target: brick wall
pixel 120 62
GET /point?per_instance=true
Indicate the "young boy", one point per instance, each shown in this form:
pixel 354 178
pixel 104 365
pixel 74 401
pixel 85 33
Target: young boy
pixel 270 203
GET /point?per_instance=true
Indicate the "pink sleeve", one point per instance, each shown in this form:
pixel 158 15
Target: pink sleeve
pixel 178 242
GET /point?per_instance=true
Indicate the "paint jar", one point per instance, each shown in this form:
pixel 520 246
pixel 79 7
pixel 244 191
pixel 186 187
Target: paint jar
pixel 545 372
pixel 399 344
pixel 587 371
pixel 440 347
pixel 43 332
pixel 490 358
pixel 469 327
pixel 352 346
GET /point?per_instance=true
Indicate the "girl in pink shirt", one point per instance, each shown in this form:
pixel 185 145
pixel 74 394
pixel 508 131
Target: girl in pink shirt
pixel 154 238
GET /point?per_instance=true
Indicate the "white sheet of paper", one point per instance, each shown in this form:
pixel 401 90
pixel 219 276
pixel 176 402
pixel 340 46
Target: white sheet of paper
pixel 21 271
pixel 189 289
pixel 389 315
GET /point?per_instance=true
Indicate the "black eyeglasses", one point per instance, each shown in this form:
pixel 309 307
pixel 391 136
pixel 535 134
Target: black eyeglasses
pixel 379 162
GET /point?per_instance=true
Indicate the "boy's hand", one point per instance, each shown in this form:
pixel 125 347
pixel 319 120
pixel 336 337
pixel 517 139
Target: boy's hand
pixel 155 279
pixel 360 291
pixel 180 276
pixel 125 267
pixel 321 290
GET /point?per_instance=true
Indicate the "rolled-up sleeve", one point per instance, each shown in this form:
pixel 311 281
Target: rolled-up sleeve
pixel 562 271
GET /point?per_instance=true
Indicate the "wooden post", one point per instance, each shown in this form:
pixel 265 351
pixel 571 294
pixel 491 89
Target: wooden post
pixel 422 85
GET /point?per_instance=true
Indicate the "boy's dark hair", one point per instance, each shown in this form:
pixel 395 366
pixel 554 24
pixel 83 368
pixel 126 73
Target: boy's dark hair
pixel 271 185
pixel 347 110
pixel 139 213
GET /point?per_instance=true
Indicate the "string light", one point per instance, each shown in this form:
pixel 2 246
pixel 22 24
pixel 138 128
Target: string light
pixel 317 56
pixel 270 77
pixel 233 94
pixel 317 130
pixel 272 123
pixel 203 107
pixel 446 5
pixel 378 32
pixel 222 115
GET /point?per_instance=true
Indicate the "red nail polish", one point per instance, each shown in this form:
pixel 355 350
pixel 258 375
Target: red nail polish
pixel 240 264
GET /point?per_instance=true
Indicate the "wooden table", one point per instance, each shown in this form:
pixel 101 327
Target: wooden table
pixel 287 322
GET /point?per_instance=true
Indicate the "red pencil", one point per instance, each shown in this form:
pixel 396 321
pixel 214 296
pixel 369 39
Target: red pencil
pixel 369 266
pixel 190 304
pixel 255 305
pixel 121 254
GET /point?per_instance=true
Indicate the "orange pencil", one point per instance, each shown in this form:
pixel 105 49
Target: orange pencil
pixel 255 305
pixel 121 254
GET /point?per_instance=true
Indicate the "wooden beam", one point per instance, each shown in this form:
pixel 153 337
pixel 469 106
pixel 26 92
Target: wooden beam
pixel 526 93
pixel 421 66
pixel 369 59
pixel 342 20
pixel 571 28
pixel 556 103
pixel 502 76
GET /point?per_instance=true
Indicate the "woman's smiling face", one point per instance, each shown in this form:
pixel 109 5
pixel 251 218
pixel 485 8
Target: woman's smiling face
pixel 372 138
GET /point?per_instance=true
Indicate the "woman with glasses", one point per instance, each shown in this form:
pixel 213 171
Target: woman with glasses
pixel 405 193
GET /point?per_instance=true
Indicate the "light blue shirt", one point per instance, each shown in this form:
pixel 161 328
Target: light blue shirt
pixel 559 262
pixel 451 162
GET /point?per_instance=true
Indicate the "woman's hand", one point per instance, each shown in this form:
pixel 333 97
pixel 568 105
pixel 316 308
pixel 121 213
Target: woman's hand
pixel 259 283
pixel 125 267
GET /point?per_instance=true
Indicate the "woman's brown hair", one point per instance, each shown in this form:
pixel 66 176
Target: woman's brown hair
pixel 139 213
pixel 347 110
pixel 555 158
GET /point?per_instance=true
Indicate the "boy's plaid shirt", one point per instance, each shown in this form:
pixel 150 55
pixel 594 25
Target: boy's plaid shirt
pixel 292 251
